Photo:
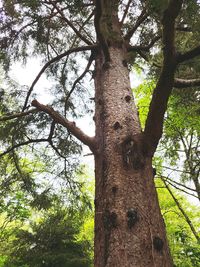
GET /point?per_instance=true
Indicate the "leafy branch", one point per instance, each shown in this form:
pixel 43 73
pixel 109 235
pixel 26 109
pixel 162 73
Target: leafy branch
pixel 53 60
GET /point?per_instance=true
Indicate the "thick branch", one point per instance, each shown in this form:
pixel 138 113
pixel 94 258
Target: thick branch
pixel 183 212
pixel 53 60
pixel 154 123
pixel 97 23
pixel 18 115
pixel 139 21
pixel 141 48
pixel 125 12
pixel 182 83
pixel 71 126
pixel 188 55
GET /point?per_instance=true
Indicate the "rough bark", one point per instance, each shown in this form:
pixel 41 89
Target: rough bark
pixel 129 229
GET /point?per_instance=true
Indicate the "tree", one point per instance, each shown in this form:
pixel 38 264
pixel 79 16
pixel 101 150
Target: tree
pixel 50 242
pixel 129 228
pixel 58 235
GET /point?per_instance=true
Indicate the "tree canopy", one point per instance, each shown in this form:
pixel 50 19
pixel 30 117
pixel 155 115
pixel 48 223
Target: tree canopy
pixel 86 50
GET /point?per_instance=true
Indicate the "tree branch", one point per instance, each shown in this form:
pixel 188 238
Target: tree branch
pixel 182 83
pixel 125 12
pixel 23 144
pixel 179 184
pixel 139 48
pixel 79 79
pixel 18 115
pixel 177 187
pixel 188 55
pixel 139 21
pixel 154 123
pixel 53 60
pixel 183 212
pixel 71 126
pixel 70 24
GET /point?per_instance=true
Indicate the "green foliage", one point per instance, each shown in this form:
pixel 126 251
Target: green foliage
pixel 51 242
pixel 143 94
pixel 183 245
pixel 60 234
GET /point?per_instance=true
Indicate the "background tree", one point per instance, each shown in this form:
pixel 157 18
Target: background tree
pixel 60 234
pixel 129 229
pixel 51 242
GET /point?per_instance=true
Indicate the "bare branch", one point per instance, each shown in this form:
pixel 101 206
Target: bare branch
pixel 125 12
pixel 188 55
pixel 179 184
pixel 71 126
pixel 53 60
pixel 51 130
pixel 79 79
pixel 140 48
pixel 182 83
pixel 11 149
pixel 139 21
pixel 177 187
pixel 70 24
pixel 18 115
pixel 183 212
pixel 154 123
pixel 50 137
pixel 175 170
pixel 183 29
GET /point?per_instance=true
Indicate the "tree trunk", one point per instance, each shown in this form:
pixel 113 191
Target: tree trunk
pixel 129 228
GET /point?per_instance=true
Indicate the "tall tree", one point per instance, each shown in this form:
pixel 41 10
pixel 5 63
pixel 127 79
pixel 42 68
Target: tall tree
pixel 129 229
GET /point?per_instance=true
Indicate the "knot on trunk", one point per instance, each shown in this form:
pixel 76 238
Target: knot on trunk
pixel 158 243
pixel 117 125
pixel 109 220
pixel 132 217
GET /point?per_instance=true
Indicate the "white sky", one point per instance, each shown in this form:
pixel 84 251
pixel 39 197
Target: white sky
pixel 25 75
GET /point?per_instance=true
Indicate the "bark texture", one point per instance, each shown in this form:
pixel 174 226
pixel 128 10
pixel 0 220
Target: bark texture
pixel 129 229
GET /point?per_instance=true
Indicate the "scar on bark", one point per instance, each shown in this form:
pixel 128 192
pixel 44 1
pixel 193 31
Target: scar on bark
pixel 158 243
pixel 132 217
pixel 109 222
pixel 132 154
pixel 114 189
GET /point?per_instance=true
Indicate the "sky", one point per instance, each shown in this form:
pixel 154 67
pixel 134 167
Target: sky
pixel 25 75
